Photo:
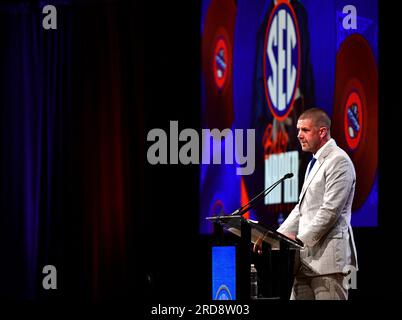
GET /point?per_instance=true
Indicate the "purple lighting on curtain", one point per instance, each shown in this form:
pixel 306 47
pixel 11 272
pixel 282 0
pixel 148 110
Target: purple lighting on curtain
pixel 36 87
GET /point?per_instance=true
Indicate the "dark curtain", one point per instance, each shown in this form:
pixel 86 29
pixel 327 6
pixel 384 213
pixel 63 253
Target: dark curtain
pixel 108 145
pixel 35 109
pixel 76 190
pixel 71 149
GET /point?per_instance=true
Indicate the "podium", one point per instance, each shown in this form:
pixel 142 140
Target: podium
pixel 247 232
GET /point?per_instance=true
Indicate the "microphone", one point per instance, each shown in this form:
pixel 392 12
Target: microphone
pixel 288 175
pixel 251 204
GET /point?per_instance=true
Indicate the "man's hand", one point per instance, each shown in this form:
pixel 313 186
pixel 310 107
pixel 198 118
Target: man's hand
pixel 258 246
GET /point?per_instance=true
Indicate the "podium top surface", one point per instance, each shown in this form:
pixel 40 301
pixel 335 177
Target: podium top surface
pixel 259 231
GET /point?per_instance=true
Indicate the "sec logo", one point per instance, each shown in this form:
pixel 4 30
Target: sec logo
pixel 353 122
pixel 221 59
pixel 223 293
pixel 281 60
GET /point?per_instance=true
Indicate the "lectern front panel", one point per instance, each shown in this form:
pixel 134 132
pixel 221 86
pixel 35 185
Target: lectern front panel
pixel 224 273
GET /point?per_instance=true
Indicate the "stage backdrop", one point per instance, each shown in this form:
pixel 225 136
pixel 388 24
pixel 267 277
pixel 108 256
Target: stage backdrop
pixel 263 64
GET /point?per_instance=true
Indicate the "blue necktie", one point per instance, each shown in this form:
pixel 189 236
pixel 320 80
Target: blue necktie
pixel 311 164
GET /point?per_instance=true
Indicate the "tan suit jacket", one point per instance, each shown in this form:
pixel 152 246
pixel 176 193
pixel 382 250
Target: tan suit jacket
pixel 321 219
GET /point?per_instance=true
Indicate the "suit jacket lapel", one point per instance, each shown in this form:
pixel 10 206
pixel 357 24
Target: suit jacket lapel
pixel 310 178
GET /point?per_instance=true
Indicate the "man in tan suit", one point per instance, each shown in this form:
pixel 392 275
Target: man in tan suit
pixel 321 219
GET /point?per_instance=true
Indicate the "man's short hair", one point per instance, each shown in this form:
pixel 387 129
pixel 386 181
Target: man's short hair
pixel 319 117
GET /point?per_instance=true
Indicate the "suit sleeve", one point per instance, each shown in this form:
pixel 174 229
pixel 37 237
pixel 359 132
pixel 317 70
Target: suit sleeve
pixel 339 181
pixel 291 224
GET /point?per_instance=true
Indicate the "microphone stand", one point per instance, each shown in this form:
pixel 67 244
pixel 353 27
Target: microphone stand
pixel 252 203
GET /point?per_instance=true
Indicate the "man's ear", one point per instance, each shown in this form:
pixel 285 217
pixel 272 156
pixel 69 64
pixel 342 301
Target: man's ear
pixel 323 132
